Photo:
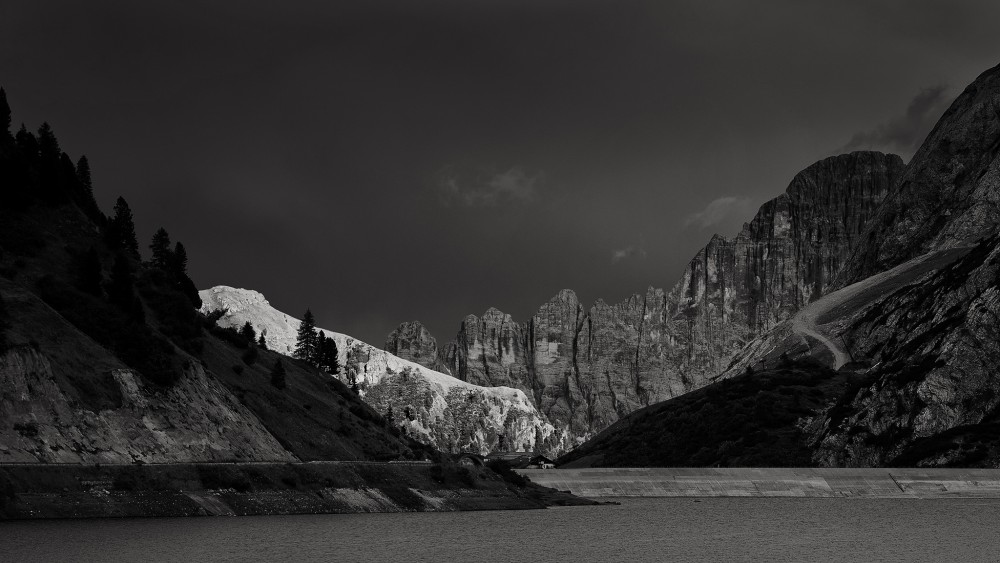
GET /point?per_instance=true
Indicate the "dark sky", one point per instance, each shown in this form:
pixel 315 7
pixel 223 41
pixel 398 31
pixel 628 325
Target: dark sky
pixel 389 161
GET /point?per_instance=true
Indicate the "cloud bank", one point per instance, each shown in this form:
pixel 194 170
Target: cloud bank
pixel 905 132
pixel 513 185
pixel 630 251
pixel 718 211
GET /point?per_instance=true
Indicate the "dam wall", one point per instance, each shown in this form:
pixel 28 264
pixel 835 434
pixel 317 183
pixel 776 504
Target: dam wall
pixel 771 482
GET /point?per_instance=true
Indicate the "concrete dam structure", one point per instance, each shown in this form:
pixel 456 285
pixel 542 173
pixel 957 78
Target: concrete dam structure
pixel 771 482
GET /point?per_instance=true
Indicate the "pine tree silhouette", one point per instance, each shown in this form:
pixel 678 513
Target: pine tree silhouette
pixel 83 175
pixel 48 146
pixel 27 144
pixel 160 246
pixel 262 342
pixel 5 114
pixel 316 358
pixel 180 260
pixel 121 229
pixel 328 355
pixel 49 166
pixel 248 332
pixel 305 339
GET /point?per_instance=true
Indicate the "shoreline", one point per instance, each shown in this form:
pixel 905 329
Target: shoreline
pixel 51 491
pixel 914 483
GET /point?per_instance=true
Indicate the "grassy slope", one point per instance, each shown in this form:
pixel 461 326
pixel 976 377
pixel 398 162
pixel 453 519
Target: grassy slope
pixel 315 417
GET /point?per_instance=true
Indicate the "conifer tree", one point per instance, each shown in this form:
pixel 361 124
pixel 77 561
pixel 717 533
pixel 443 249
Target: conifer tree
pixel 248 332
pixel 161 249
pixel 68 171
pixel 262 341
pixel 4 114
pixel 180 260
pixel 328 356
pixel 48 146
pixel 90 278
pixel 305 340
pixel 121 230
pixel 26 143
pixel 278 375
pixel 49 167
pixel 178 268
pixel 316 358
pixel 84 189
pixel 83 174
pixel 319 355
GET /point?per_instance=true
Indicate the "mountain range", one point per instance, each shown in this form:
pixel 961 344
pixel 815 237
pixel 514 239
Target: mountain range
pixel 852 322
pixel 909 322
pixel 587 367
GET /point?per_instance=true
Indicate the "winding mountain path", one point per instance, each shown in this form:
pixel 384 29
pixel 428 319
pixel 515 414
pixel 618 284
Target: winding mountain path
pixel 805 325
pixel 810 321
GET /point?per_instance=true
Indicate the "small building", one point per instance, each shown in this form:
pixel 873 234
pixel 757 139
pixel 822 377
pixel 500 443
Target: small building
pixel 540 462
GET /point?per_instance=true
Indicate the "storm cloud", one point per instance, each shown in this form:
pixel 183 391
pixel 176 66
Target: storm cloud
pixel 630 251
pixel 719 211
pixel 905 132
pixel 386 160
pixel 512 185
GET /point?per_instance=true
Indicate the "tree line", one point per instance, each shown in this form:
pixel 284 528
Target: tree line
pixel 315 347
pixel 100 291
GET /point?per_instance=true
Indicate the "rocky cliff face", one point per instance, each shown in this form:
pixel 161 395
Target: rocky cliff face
pixel 933 346
pixel 586 367
pixel 440 410
pixel 913 322
pixel 947 196
pixel 931 395
pixel 414 343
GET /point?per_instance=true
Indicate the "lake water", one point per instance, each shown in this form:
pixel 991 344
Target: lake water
pixel 678 529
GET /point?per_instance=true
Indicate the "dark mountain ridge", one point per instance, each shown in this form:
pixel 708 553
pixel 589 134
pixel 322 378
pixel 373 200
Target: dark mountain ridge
pixel 104 357
pixel 915 310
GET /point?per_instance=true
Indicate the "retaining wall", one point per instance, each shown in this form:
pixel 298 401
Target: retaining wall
pixel 771 482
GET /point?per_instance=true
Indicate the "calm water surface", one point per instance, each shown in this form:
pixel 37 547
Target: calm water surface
pixel 715 529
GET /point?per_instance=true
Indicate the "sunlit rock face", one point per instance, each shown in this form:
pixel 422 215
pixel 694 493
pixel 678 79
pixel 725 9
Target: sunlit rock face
pixel 434 407
pixel 787 256
pixel 584 367
pixel 411 341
